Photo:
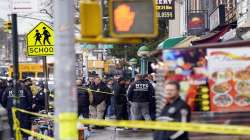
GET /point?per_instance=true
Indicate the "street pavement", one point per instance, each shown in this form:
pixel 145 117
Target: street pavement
pixel 111 134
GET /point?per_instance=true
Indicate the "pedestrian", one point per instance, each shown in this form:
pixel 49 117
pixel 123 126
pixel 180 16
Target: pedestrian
pixel 39 98
pixel 98 105
pixel 46 35
pixel 23 100
pixel 139 94
pixel 82 99
pixel 38 37
pixel 175 110
pixel 120 100
pixel 110 113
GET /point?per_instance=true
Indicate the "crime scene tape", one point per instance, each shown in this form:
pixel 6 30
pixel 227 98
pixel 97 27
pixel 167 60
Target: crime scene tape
pixel 37 135
pixel 161 125
pixel 31 133
pixel 175 126
pixel 34 114
pixel 88 89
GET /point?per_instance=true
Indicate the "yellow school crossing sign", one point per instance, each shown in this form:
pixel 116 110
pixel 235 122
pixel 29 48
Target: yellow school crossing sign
pixel 40 40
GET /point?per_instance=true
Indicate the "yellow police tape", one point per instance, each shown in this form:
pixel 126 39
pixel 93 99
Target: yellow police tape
pixel 97 91
pixel 18 129
pixel 37 135
pixel 175 126
pixel 159 125
pixel 34 114
pixel 89 90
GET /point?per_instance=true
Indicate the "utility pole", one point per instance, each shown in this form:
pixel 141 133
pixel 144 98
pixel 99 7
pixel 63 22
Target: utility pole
pixel 15 56
pixel 46 88
pixel 65 96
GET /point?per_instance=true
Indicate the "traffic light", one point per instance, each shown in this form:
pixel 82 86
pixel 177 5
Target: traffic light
pixel 90 18
pixel 7 26
pixel 133 18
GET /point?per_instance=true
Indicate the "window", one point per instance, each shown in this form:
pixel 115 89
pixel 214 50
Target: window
pixel 27 74
pixel 40 74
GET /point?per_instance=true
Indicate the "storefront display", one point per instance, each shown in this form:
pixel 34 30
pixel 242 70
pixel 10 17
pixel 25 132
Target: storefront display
pixel 216 80
pixel 229 79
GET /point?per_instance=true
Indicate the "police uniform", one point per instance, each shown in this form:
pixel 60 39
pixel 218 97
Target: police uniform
pixel 39 101
pixel 140 94
pixel 24 102
pixel 178 111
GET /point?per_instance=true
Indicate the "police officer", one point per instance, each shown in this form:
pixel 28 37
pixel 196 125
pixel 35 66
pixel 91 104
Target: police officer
pixel 175 110
pixel 28 83
pixel 82 99
pixel 98 105
pixel 23 100
pixel 120 100
pixel 139 94
pixel 39 98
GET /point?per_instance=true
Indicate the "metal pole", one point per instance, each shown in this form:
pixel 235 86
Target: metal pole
pixel 85 63
pixel 65 74
pixel 15 56
pixel 133 71
pixel 46 89
pixel 146 66
pixel 142 65
pixel 248 13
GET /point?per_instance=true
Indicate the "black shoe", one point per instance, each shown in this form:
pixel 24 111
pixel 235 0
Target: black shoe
pixel 98 127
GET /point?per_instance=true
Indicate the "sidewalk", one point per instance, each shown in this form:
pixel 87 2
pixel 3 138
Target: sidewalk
pixel 111 134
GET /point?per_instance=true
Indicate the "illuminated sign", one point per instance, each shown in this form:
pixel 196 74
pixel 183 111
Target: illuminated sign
pixel 133 18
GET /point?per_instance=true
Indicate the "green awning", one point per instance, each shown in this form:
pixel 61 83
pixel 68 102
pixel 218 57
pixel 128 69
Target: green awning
pixel 170 42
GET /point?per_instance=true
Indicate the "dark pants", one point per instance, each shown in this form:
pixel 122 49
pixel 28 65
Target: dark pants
pixel 24 120
pixel 121 111
pixel 84 111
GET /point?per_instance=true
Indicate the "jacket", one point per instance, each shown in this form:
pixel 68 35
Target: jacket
pixel 39 101
pixel 99 97
pixel 24 94
pixel 178 111
pixel 140 91
pixel 82 97
pixel 120 93
pixel 24 102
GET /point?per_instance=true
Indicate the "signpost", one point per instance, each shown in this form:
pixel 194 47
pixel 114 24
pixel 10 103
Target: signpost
pixel 40 42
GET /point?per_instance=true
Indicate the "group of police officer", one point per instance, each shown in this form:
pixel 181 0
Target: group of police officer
pixel 134 101
pixel 21 96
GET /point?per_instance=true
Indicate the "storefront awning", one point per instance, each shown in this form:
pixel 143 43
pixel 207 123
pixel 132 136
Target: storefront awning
pixel 170 42
pixel 186 42
pixel 212 37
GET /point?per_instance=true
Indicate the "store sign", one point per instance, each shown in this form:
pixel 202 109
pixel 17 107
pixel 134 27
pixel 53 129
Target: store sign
pixel 166 9
pixel 217 17
pixel 229 76
pixel 23 6
pixel 196 23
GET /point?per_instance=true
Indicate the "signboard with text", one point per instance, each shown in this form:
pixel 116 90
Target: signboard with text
pixel 166 9
pixel 40 40
pixel 23 6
